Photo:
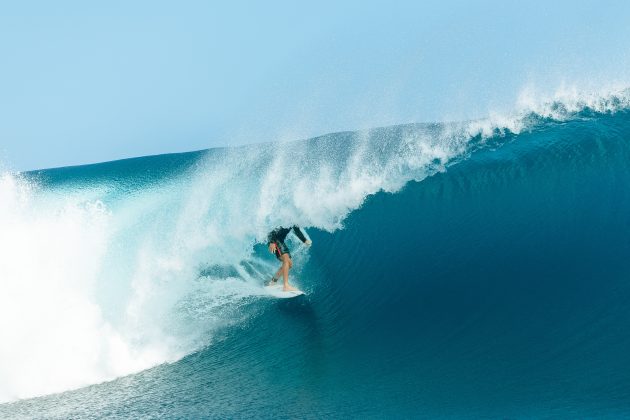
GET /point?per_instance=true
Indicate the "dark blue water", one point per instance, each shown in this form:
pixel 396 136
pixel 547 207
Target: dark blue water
pixel 499 288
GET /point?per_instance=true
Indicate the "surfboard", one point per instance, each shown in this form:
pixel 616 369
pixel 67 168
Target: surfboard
pixel 275 290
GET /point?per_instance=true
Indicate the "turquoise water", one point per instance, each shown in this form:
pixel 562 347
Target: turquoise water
pixel 458 270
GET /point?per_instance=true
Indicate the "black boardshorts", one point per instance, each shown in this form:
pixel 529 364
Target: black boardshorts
pixel 281 249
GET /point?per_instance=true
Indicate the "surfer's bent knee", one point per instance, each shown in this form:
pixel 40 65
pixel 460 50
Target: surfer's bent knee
pixel 286 259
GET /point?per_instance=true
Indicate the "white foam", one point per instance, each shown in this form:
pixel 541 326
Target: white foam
pixel 57 256
pixel 53 333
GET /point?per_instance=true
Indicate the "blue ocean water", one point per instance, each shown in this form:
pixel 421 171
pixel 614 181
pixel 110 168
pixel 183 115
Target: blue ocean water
pixel 458 271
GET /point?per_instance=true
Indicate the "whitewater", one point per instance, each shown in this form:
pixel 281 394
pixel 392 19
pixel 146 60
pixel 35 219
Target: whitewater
pixel 109 270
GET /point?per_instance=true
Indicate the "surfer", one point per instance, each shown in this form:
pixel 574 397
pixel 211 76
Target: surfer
pixel 275 241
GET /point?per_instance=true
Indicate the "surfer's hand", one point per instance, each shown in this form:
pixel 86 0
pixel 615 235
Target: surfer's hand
pixel 308 242
pixel 272 248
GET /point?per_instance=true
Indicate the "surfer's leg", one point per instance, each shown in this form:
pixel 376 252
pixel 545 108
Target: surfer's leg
pixel 286 265
pixel 281 249
pixel 285 269
pixel 277 275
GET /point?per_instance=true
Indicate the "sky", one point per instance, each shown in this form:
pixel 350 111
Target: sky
pixel 84 82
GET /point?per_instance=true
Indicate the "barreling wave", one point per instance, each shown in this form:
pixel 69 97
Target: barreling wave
pixel 112 268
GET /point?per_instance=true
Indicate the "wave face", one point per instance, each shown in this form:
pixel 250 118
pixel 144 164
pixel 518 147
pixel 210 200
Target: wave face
pixel 495 283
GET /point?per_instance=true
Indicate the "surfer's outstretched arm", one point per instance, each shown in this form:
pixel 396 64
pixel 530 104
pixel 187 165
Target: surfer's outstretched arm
pixel 301 236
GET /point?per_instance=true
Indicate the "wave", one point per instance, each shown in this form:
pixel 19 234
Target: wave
pixel 112 268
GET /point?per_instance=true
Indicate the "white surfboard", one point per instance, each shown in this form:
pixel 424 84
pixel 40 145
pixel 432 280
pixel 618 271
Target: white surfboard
pixel 275 290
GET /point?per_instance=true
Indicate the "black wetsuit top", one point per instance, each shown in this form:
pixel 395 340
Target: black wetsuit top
pixel 279 234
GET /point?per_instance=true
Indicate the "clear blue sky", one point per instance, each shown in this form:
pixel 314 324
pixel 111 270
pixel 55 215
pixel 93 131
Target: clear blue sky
pixel 85 81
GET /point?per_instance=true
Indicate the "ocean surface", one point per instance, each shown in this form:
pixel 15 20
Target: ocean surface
pixel 478 269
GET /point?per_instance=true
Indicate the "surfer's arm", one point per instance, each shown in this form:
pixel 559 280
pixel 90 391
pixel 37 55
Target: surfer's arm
pixel 298 232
